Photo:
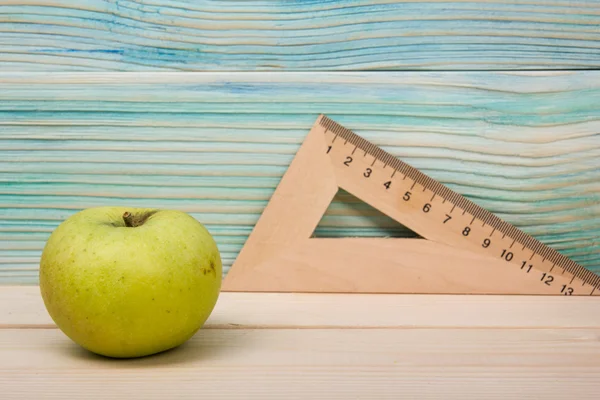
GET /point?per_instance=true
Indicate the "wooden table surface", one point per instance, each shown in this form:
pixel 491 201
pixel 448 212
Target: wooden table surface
pixel 324 346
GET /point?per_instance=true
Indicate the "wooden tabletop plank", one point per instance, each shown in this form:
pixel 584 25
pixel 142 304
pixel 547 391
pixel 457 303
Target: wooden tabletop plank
pixel 255 35
pixel 327 346
pixel 22 307
pixel 492 363
pixel 523 145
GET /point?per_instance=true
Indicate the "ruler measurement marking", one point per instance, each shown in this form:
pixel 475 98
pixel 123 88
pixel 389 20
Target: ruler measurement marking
pixel 589 277
pixel 595 279
pixel 528 242
pixel 586 277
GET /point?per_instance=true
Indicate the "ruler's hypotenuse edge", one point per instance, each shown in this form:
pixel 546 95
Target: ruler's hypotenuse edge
pixel 464 249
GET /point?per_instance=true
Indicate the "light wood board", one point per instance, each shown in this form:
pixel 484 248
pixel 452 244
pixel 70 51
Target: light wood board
pixel 22 306
pixel 136 35
pixel 523 145
pixel 300 346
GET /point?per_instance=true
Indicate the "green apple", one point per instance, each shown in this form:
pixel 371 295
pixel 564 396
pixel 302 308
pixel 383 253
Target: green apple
pixel 130 282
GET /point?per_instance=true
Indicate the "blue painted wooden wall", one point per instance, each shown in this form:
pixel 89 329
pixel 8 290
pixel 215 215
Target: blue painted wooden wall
pixel 186 35
pixel 200 106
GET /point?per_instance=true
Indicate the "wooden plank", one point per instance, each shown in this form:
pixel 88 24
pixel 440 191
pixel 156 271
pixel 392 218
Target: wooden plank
pixel 22 306
pixel 314 363
pixel 523 145
pixel 336 35
pixel 318 345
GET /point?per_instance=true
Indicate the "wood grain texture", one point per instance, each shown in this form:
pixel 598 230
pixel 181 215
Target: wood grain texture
pixel 141 35
pixel 23 307
pixel 299 364
pixel 302 346
pixel 524 145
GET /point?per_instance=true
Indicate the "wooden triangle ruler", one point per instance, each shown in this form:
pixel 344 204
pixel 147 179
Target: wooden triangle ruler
pixel 464 249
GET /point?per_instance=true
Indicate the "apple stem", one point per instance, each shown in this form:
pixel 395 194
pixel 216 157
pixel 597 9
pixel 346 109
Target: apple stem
pixel 128 218
pixel 132 221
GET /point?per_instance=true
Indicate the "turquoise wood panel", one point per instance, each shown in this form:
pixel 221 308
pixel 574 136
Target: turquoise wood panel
pixel 195 35
pixel 524 145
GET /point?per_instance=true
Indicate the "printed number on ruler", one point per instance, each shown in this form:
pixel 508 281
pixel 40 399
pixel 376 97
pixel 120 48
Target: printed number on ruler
pixel 429 202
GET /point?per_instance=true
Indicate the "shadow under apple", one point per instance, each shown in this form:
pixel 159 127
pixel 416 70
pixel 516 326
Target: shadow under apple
pixel 206 345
